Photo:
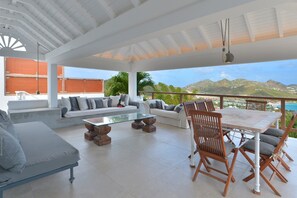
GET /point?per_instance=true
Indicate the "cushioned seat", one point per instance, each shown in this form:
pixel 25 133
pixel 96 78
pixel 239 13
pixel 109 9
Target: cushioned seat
pixel 265 148
pixel 228 145
pixel 274 132
pixel 269 139
pixel 49 151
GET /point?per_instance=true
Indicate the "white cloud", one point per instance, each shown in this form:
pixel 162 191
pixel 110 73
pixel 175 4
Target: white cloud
pixel 225 75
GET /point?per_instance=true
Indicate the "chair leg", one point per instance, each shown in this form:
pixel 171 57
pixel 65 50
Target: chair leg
pixel 288 156
pixel 230 172
pixel 277 172
pixel 284 164
pixel 197 170
pixel 269 184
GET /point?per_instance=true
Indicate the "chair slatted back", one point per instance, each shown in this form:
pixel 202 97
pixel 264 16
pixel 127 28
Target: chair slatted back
pixel 189 106
pixel 286 133
pixel 208 132
pixel 259 105
pixel 201 105
pixel 209 105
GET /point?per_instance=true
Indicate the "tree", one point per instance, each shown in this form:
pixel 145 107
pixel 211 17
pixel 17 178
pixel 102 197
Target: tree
pixel 119 84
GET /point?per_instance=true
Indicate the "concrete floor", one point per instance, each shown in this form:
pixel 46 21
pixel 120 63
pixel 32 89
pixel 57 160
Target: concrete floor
pixel 143 165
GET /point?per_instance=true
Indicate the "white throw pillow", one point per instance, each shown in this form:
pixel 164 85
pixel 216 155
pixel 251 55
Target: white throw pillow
pixel 66 103
pixel 115 100
pixel 82 103
pixel 105 103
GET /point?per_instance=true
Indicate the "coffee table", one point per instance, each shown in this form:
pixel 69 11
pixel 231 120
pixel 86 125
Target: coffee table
pixel 98 128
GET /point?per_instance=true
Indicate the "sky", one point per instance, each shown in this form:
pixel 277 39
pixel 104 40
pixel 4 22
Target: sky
pixel 281 71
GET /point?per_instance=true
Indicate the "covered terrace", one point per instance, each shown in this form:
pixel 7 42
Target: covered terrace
pixel 144 35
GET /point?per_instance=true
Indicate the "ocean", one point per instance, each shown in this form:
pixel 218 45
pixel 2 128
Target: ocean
pixel 290 106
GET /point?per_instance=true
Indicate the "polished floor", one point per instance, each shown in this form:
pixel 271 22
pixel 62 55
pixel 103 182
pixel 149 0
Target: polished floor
pixel 145 165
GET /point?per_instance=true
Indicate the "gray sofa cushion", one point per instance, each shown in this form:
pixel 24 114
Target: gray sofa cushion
pixel 265 148
pixel 12 157
pixel 274 132
pixel 6 123
pixel 53 152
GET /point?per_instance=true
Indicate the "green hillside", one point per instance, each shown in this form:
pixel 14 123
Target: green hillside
pixel 244 87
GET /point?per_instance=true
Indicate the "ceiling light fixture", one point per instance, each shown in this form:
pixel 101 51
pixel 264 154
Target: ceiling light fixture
pixel 225 32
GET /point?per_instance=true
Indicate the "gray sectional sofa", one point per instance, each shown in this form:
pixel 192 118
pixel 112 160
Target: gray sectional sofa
pixel 31 151
pixel 37 110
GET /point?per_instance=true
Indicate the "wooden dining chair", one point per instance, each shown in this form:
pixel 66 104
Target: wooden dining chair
pixel 209 105
pixel 268 154
pixel 188 106
pixel 208 135
pixel 259 105
pixel 267 136
pixel 200 105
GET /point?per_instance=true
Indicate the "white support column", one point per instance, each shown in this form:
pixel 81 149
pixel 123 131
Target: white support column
pixel 132 85
pixel 52 85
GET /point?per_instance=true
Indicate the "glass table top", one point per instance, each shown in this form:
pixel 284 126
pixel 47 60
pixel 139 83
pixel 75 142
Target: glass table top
pixel 99 121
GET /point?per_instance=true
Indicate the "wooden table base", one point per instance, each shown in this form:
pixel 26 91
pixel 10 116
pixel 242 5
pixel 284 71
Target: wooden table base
pixel 137 124
pixel 149 125
pixel 98 134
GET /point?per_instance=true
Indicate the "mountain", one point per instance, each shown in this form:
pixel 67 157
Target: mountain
pixel 244 87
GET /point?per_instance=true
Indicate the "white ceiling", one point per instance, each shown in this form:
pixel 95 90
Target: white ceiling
pixel 143 35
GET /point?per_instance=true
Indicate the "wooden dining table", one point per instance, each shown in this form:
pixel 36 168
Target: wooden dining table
pixel 245 121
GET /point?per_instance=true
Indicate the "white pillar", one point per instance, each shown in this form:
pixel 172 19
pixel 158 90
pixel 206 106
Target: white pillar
pixel 52 85
pixel 132 85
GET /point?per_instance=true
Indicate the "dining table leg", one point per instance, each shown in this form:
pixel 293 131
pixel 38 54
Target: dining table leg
pixel 257 164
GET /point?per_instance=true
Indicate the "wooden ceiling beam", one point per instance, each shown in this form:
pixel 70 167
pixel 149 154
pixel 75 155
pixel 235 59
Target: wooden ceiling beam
pixel 188 40
pixel 108 10
pixel 35 8
pixel 249 27
pixel 85 13
pixel 22 12
pixel 174 43
pixel 70 20
pixel 205 36
pixel 279 23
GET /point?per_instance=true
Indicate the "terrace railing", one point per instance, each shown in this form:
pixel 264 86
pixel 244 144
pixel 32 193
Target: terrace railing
pixel 223 97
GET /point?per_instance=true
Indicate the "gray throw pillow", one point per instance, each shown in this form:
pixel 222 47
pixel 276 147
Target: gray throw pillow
pixel 82 103
pixel 109 103
pixel 178 108
pixel 170 107
pixel 6 124
pixel 64 111
pixel 89 102
pixel 12 156
pixel 153 105
pixel 99 103
pixel 159 104
pixel 74 103
pixel 125 98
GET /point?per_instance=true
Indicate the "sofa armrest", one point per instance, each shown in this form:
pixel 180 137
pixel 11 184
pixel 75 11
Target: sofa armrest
pixel 134 103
